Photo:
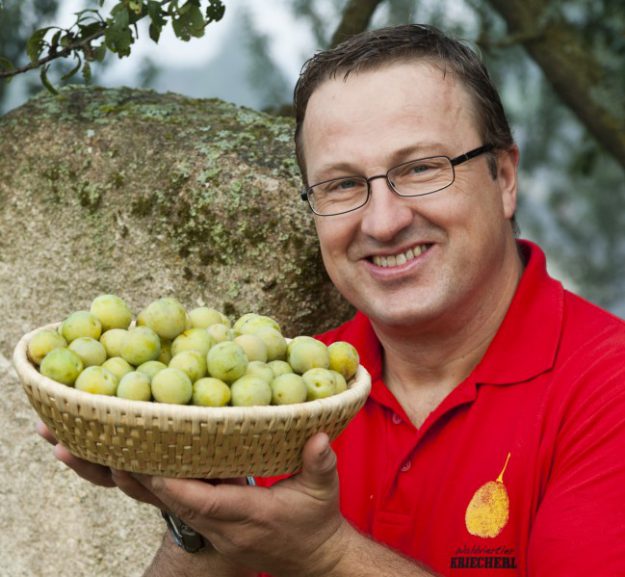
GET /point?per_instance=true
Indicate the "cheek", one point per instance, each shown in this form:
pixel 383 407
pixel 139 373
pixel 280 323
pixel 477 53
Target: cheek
pixel 334 234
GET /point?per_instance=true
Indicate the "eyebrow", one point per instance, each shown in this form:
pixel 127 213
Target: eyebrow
pixel 407 153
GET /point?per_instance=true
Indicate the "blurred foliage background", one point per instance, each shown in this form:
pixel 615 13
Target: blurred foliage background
pixel 559 64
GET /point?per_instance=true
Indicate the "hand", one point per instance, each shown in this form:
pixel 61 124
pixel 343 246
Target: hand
pixel 292 528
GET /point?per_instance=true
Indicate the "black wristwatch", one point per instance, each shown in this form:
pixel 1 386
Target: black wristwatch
pixel 186 538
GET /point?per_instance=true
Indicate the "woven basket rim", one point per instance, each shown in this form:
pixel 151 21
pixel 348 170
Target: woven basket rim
pixel 27 372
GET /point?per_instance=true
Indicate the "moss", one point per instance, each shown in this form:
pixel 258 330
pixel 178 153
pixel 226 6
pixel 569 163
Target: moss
pixel 212 185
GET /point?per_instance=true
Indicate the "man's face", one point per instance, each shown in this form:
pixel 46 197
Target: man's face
pixel 402 261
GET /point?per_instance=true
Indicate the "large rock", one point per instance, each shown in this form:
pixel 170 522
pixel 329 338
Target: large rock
pixel 144 195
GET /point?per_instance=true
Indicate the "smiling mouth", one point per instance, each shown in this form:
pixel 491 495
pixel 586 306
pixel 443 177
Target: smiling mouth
pixel 401 258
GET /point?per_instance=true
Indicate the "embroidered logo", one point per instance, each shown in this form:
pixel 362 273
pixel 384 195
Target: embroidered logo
pixel 489 508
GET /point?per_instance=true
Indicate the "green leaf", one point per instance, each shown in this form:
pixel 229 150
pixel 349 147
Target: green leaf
pixel 73 71
pixel 87 14
pixel 54 43
pixel 6 64
pixel 43 75
pixel 189 23
pixel 99 52
pixel 155 32
pixel 35 43
pixel 118 36
pixel 86 73
pixel 90 29
pixel 215 11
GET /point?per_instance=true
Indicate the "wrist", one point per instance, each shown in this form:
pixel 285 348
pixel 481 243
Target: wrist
pixel 331 558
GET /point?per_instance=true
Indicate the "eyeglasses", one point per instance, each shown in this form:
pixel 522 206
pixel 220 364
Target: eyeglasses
pixel 418 177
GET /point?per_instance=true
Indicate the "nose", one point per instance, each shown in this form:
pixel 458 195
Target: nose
pixel 386 214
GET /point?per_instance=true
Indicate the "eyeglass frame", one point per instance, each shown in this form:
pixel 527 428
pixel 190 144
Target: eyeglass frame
pixel 457 160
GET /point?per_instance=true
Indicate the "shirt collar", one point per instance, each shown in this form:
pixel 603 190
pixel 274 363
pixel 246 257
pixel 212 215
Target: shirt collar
pixel 527 340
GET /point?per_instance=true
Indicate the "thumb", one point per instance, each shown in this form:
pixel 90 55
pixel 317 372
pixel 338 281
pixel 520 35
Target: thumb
pixel 319 475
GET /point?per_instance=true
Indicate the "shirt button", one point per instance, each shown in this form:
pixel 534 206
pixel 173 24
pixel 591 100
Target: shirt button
pixel 396 419
pixel 406 466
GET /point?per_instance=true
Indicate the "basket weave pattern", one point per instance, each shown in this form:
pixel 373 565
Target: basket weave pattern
pixel 185 441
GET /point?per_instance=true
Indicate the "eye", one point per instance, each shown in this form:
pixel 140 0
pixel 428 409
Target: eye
pixel 347 184
pixel 341 185
pixel 419 168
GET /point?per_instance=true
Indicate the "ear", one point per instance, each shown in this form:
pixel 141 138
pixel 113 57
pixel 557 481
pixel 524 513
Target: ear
pixel 507 176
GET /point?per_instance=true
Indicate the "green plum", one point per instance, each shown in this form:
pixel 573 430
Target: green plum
pixel 191 362
pixel 249 324
pixel 192 340
pixel 254 347
pixel 238 324
pixel 274 341
pixel 210 392
pixel 260 369
pixel 204 317
pixel 279 367
pixel 250 391
pixel 140 345
pixel 61 365
pixel 90 351
pixel 97 380
pixel 339 380
pixel 287 389
pixel 111 311
pixel 173 386
pixel 166 317
pixel 80 324
pixel 118 366
pixel 135 386
pixel 150 368
pixel 344 359
pixel 165 354
pixel 304 353
pixel 220 333
pixel 226 361
pixel 42 343
pixel 112 340
pixel 320 383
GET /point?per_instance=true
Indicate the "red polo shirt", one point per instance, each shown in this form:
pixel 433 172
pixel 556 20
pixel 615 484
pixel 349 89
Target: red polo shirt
pixel 521 469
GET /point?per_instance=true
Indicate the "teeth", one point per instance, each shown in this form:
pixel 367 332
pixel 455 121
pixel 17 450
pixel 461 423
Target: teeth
pixel 399 259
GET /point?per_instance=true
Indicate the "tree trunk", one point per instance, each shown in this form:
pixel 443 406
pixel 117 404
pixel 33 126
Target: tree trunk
pixel 573 70
pixel 356 17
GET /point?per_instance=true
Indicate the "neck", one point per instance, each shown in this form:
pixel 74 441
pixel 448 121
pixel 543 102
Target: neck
pixel 424 362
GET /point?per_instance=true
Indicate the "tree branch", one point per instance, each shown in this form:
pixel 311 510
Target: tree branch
pixel 356 17
pixel 571 68
pixel 58 54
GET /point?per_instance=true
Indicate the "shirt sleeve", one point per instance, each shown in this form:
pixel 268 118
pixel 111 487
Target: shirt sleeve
pixel 579 528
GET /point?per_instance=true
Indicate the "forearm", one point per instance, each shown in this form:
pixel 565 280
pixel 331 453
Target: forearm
pixel 362 557
pixel 171 561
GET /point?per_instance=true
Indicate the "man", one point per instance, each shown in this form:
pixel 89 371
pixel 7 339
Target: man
pixel 493 441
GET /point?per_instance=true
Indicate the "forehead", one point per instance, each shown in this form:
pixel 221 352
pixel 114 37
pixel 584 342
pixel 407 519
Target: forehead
pixel 379 111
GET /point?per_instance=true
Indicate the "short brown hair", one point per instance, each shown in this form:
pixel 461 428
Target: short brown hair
pixel 376 48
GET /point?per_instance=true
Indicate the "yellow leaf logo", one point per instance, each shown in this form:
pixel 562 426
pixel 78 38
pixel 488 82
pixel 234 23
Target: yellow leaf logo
pixel 489 508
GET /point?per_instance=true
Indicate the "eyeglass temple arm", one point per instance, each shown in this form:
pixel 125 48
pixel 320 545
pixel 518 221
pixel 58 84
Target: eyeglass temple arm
pixel 471 154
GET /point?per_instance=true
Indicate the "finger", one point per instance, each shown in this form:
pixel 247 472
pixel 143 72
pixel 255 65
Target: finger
pixel 44 432
pixel 193 500
pixel 135 490
pixel 319 476
pixel 96 474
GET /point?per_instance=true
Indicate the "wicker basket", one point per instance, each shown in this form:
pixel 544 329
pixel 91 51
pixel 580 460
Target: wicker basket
pixel 184 441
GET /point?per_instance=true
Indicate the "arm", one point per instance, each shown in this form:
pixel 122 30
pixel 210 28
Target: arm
pixel 171 561
pixel 292 529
